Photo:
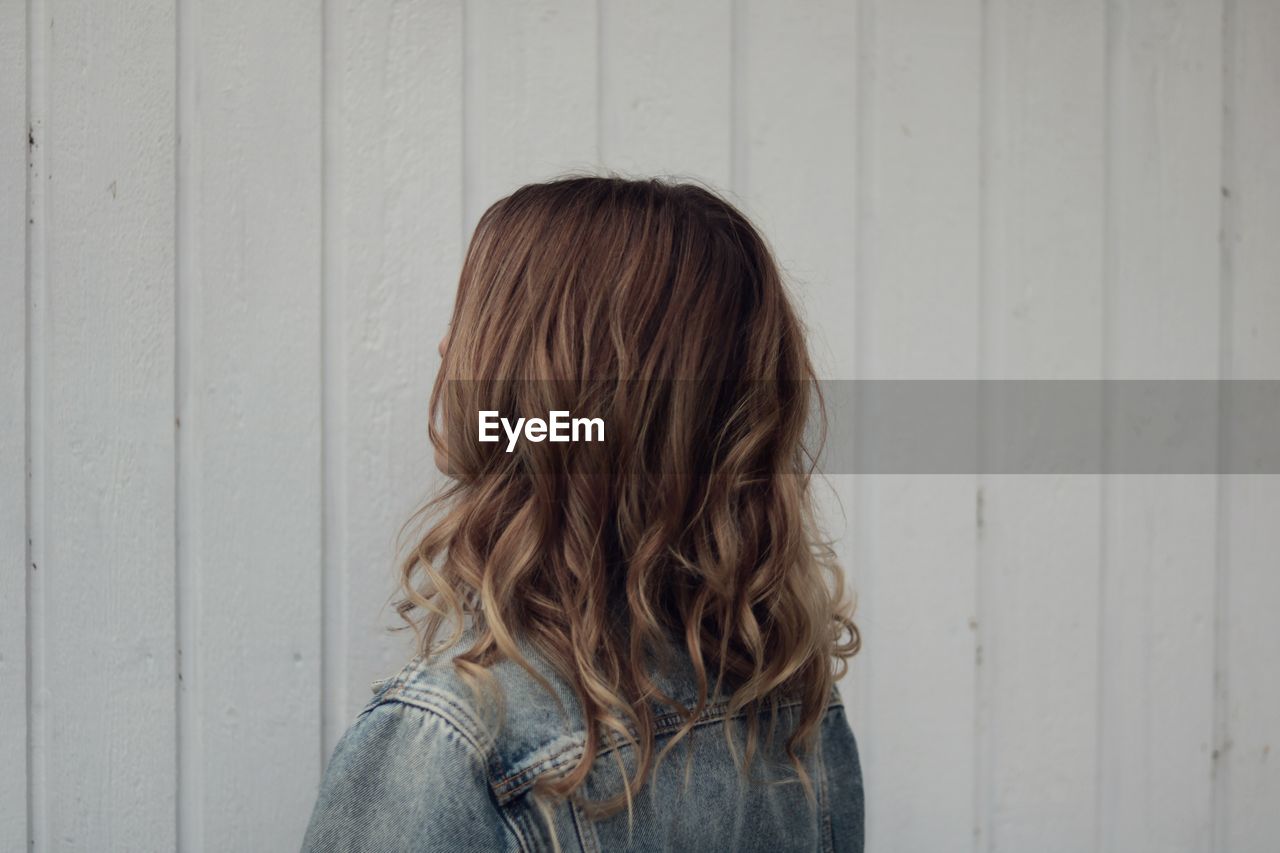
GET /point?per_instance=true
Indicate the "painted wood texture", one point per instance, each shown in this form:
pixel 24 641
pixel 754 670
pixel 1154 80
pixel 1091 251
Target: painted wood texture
pixel 1160 538
pixel 101 652
pixel 393 247
pixel 1247 779
pixel 229 238
pixel 249 380
pixel 917 317
pixel 15 150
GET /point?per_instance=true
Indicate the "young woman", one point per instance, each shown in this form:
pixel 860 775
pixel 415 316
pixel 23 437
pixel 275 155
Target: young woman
pixel 628 633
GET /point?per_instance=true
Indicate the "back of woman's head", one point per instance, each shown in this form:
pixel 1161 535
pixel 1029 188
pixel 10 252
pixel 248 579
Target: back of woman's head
pixel 658 309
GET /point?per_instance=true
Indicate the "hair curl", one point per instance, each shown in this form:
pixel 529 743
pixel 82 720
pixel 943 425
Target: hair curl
pixel 658 307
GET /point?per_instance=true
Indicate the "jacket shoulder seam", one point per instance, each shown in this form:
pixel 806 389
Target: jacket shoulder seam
pixel 524 774
pixel 450 710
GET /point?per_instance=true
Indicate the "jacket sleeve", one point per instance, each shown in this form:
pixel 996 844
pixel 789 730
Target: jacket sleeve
pixel 403 778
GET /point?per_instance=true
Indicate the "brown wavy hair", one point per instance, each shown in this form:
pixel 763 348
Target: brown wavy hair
pixel 658 307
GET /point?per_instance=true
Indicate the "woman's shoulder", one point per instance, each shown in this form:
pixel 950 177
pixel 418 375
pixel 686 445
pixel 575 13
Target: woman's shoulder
pixel 520 720
pixel 430 685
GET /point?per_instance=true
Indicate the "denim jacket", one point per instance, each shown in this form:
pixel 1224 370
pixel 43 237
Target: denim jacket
pixel 422 768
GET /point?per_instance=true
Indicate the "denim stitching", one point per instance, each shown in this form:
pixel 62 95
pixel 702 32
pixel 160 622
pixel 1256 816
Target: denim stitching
pixel 586 833
pixel 439 707
pixel 824 800
pixel 523 777
pixel 521 780
pixel 505 783
pixel 526 846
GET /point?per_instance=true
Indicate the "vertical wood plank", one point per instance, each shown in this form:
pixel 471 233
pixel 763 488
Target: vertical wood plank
pixel 530 90
pixel 917 318
pixel 665 88
pixel 795 165
pixel 1160 552
pixel 1042 318
pixel 106 538
pixel 14 153
pixel 795 122
pixel 1248 772
pixel 393 251
pixel 251 466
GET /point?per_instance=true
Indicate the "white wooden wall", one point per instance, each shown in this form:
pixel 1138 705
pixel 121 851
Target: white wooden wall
pixel 229 233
